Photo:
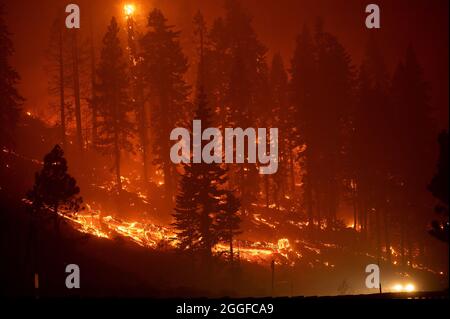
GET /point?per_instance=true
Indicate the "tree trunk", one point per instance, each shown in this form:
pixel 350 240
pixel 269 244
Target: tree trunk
pixel 318 209
pixel 117 160
pixel 165 148
pixel 117 147
pixel 76 90
pixel 308 199
pixel 378 232
pixel 387 235
pixel 168 182
pixel 231 246
pixel 410 247
pixel 138 95
pixel 144 144
pixel 56 221
pixel 292 173
pixel 364 215
pixel 402 242
pixel 142 114
pixel 360 211
pixel 93 102
pixel 61 91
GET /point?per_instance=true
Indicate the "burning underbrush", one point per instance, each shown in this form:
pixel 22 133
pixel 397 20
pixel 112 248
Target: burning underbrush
pixel 152 236
pixel 265 239
pixel 298 259
pixel 145 233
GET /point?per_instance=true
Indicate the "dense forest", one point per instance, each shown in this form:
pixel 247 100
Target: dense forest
pixel 362 167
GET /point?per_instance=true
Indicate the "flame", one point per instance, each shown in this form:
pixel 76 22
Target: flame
pixel 144 234
pixel 149 235
pixel 261 220
pixel 129 9
pixel 283 243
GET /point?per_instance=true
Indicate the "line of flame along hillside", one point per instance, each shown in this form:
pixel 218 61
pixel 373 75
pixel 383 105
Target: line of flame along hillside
pixel 282 252
pixel 159 237
pixel 152 236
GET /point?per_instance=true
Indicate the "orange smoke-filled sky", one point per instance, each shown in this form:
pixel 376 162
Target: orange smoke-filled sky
pixel 422 23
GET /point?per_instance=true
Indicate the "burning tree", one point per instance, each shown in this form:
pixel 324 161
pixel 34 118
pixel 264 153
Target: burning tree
pixel 54 188
pixel 137 87
pixel 114 127
pixel 164 66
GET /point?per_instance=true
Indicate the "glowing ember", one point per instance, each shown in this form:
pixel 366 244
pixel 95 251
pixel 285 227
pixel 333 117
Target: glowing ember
pixel 261 220
pixel 283 243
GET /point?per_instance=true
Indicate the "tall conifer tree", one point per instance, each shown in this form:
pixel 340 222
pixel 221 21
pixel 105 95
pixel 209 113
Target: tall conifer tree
pixel 164 66
pixel 10 99
pixel 114 127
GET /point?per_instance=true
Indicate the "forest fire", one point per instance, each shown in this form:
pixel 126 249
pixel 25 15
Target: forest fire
pixel 218 148
pixel 152 236
pixel 143 234
pixel 129 9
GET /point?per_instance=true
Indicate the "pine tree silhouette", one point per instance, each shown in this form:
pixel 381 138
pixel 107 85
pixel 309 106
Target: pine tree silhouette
pixel 246 89
pixel 202 198
pixel 236 80
pixel 304 88
pixel 10 99
pixel 114 125
pixel 57 66
pixel 164 67
pixel 411 149
pixel 366 162
pixel 321 64
pixel 54 190
pixel 185 213
pixel 216 72
pixel 335 76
